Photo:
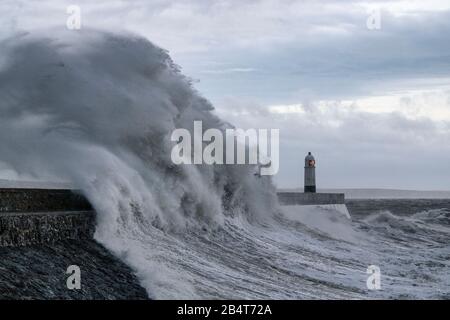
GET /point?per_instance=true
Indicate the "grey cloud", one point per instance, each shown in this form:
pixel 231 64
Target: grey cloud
pixel 334 66
pixel 356 149
pixel 302 52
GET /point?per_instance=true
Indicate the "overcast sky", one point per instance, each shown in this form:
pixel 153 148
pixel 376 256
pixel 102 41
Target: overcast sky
pixel 372 104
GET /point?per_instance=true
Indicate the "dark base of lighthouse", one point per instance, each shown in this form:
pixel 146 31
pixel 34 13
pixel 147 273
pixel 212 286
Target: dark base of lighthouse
pixel 310 189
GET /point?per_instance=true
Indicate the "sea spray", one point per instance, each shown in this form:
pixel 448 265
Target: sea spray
pixel 97 109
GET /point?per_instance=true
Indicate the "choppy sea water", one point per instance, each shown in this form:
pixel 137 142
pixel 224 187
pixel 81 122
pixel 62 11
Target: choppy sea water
pixel 193 231
pixel 307 253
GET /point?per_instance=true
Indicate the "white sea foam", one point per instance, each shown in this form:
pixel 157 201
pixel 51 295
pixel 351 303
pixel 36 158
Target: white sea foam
pixel 330 219
pixel 96 110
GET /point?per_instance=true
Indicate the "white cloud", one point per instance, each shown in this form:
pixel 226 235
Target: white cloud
pixel 227 71
pixel 413 104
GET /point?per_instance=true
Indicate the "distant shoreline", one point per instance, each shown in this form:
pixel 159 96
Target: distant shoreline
pixel 378 193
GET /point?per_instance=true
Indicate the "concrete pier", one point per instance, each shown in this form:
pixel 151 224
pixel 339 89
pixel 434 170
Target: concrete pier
pixel 36 216
pixel 298 198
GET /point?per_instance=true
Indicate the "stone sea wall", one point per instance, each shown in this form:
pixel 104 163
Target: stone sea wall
pixel 33 216
pixel 20 229
pixel 42 233
pixel 37 200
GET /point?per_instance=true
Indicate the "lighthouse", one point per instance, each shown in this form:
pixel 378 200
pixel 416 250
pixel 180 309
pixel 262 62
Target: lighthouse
pixel 309 196
pixel 310 173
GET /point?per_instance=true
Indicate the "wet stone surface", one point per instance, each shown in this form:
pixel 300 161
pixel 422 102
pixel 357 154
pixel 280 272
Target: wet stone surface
pixel 39 272
pixel 20 229
pixel 38 200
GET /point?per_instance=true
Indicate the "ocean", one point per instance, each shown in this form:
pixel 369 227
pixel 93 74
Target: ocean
pixel 96 109
pixel 321 255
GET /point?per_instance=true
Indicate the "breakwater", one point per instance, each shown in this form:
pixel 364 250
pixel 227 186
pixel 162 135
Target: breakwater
pixel 35 216
pixel 299 198
pixel 42 233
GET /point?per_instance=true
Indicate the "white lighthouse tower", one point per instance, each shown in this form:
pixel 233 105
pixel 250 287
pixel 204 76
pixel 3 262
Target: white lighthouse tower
pixel 310 173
